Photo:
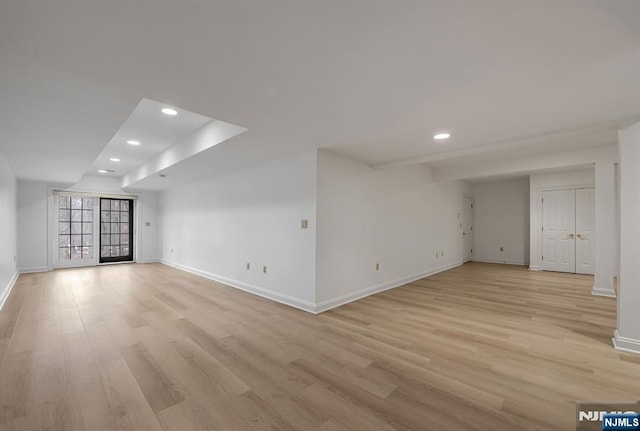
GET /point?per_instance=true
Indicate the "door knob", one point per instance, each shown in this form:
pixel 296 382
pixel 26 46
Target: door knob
pixel 570 235
pixel 579 235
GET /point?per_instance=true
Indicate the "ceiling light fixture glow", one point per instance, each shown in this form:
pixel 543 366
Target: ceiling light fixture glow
pixel 102 171
pixel 441 136
pixel 169 111
pixel 114 159
pixel 132 142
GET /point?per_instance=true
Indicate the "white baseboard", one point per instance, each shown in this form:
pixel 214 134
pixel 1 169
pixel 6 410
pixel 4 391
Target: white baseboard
pixel 603 291
pixel 502 262
pixel 354 296
pixel 34 269
pixel 152 260
pixel 629 345
pixel 7 289
pixel 534 268
pixel 256 290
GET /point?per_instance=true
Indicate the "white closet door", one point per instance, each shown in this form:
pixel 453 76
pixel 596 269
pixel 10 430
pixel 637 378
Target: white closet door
pixel 558 222
pixel 585 222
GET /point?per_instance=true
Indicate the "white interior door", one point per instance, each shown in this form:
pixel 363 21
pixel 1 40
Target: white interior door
pixel 467 229
pixel 558 230
pixel 585 219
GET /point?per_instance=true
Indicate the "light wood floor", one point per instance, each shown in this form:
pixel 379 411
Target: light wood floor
pixel 147 347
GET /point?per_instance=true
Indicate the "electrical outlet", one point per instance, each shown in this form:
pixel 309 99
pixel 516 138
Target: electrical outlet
pixel 304 224
pixel 377 267
pixel 248 266
pixel 147 224
pixel 501 248
pixel 264 269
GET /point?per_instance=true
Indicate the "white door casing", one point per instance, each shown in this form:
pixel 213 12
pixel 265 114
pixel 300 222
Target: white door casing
pixel 585 222
pixel 558 231
pixel 467 229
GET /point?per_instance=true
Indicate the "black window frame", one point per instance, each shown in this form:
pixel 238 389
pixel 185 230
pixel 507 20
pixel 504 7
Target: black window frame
pixel 129 257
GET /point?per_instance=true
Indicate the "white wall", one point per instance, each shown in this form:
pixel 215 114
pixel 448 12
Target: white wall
pixel 501 219
pixel 398 218
pixel 33 221
pixel 627 334
pixel 537 184
pixel 214 227
pixel 8 251
pixel 32 226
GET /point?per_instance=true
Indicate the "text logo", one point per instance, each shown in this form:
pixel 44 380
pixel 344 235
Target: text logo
pixel 621 422
pixel 620 415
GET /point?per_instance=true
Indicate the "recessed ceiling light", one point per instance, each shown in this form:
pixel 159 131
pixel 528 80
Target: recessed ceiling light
pixel 102 171
pixel 114 159
pixel 106 171
pixel 441 136
pixel 169 111
pixel 132 142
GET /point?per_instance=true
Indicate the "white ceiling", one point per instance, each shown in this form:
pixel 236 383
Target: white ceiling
pixel 154 130
pixel 374 80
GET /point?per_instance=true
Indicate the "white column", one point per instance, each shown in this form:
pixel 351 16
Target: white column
pixel 627 336
pixel 605 231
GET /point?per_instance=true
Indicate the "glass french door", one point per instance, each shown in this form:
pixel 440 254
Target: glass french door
pixel 75 239
pixel 116 230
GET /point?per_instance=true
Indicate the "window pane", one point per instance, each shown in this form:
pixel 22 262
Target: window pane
pixel 76 228
pixel 87 240
pixel 115 217
pixel 76 253
pixel 115 239
pixel 64 215
pixel 115 228
pixel 124 228
pixel 104 251
pixel 124 251
pixel 76 203
pixel 87 203
pixel 115 205
pixel 76 240
pixel 87 215
pixel 87 252
pixel 65 254
pixel 76 215
pixel 105 204
pixel 64 228
pixel 124 239
pixel 63 201
pixel 105 228
pixel 104 216
pixel 87 228
pixel 124 206
pixel 105 239
pixel 124 217
pixel 64 240
pixel 115 251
